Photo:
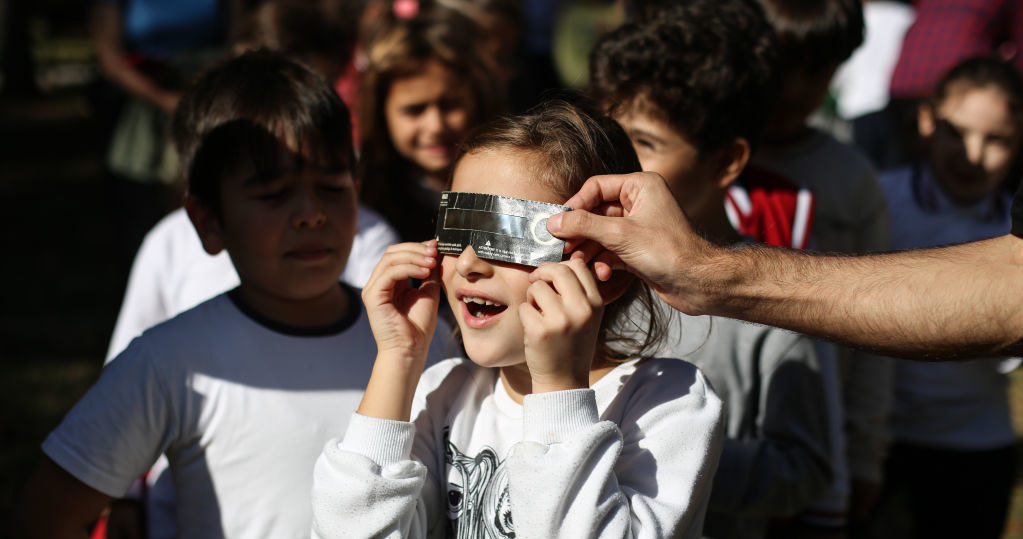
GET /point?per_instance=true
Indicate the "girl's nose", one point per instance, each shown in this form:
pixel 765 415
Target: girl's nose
pixel 975 148
pixel 433 120
pixel 473 267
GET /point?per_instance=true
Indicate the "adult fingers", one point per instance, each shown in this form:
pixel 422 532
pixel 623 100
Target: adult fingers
pixel 584 225
pixel 606 210
pixel 597 190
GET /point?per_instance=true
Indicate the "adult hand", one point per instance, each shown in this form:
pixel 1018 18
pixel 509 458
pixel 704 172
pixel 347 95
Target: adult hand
pixel 633 222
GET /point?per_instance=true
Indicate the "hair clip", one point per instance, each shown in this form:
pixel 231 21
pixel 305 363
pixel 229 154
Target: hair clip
pixel 405 9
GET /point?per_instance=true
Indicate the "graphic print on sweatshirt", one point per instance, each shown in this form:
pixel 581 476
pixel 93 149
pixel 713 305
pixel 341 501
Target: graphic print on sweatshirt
pixel 477 494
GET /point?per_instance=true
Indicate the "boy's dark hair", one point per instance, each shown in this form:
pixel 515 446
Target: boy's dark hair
pixel 570 143
pixel 707 65
pixel 816 35
pixel 983 72
pixel 259 108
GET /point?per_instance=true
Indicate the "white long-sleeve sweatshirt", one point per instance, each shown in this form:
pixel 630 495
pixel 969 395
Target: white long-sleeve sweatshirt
pixel 633 456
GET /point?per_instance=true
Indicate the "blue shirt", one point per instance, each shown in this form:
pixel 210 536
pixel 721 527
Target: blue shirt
pixel 163 28
pixel 952 405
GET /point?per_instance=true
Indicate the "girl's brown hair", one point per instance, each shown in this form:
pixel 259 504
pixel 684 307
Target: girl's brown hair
pixel 982 72
pixel 571 143
pixel 396 48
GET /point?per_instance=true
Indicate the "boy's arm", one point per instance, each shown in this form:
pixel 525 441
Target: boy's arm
pixel 577 476
pixel 105 31
pixel 56 505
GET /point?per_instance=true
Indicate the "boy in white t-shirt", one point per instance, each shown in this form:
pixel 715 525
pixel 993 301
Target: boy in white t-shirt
pixel 173 273
pixel 241 392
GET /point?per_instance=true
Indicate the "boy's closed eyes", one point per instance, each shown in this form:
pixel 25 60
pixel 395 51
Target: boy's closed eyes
pixel 281 187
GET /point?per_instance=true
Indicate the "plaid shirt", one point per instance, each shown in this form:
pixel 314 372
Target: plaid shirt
pixel 948 31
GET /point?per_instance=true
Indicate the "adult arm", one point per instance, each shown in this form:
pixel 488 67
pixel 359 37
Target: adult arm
pixel 867 379
pixel 107 39
pixel 954 302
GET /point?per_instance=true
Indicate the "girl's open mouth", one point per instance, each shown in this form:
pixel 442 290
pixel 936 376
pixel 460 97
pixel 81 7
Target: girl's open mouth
pixel 479 311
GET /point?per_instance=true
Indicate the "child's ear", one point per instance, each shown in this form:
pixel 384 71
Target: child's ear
pixel 613 288
pixel 206 224
pixel 925 120
pixel 732 160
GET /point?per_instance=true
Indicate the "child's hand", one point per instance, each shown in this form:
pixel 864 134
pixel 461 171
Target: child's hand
pixel 403 318
pixel 560 319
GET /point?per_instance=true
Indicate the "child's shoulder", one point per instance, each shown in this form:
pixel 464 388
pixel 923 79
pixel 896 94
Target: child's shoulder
pixel 668 392
pixel 216 324
pixel 659 377
pixel 205 318
pixel 186 337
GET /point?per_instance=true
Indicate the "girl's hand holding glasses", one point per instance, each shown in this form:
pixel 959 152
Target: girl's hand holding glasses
pixel 561 321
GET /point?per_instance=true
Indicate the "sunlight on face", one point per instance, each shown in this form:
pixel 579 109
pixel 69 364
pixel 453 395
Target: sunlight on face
pixel 664 150
pixel 485 294
pixel 973 141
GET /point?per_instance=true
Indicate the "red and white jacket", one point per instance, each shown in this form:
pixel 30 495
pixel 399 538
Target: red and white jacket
pixel 770 209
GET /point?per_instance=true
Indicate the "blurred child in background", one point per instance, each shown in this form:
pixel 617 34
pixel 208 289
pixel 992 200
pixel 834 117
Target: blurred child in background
pixel 688 85
pixel 148 51
pixel 850 216
pixel 500 23
pixel 951 469
pixel 424 88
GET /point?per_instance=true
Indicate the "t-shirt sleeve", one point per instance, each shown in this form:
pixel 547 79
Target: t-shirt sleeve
pixel 1017 212
pixel 119 428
